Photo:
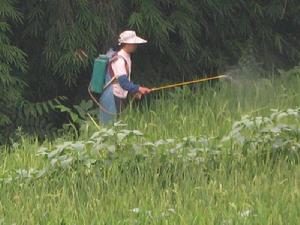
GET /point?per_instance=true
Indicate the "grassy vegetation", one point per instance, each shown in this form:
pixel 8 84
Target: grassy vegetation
pixel 192 165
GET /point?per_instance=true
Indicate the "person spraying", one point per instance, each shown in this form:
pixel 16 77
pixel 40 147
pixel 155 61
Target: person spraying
pixel 111 78
pixel 118 82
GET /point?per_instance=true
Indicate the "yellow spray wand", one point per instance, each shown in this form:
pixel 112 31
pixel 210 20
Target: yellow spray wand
pixel 188 82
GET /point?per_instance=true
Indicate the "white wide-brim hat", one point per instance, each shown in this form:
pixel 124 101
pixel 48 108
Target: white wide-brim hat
pixel 130 37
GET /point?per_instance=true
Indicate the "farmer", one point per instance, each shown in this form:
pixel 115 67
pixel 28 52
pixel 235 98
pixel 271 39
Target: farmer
pixel 113 100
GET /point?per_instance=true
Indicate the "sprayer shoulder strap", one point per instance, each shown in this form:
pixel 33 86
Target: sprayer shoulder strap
pixel 115 58
pixel 111 72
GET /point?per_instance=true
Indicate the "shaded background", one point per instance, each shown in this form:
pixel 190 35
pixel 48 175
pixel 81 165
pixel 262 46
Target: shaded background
pixel 41 65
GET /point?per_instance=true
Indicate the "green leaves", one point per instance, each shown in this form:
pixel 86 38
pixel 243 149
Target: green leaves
pixel 277 135
pixel 267 139
pixel 8 11
pixel 12 63
pixel 40 43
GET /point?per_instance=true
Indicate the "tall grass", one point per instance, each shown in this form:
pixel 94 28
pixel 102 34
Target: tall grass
pixel 130 184
pixel 212 109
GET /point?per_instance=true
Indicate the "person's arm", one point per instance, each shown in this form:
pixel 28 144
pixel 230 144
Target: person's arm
pixel 128 85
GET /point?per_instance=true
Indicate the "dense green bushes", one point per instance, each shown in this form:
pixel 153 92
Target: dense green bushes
pixel 186 38
pixel 12 65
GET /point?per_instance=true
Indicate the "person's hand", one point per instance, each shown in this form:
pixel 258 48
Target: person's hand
pixel 144 90
pixel 137 96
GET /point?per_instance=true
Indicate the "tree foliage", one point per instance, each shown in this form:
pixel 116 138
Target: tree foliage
pixel 12 63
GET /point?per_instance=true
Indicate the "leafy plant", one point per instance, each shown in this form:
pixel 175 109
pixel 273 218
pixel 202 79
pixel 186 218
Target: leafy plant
pixel 275 136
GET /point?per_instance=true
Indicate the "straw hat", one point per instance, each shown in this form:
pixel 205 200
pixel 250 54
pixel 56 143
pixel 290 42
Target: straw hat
pixel 130 37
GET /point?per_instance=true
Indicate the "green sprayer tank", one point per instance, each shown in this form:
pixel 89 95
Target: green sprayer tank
pixel 99 73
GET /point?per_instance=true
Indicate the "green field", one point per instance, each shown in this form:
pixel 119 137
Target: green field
pixel 182 158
